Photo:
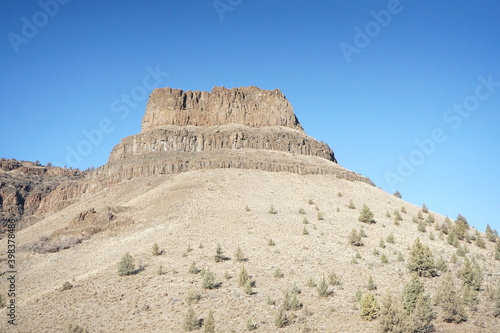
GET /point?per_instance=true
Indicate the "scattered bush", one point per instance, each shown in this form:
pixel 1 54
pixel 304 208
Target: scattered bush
pixel 281 319
pixel 251 326
pixel 248 287
pixel 392 318
pixel 67 286
pixel 160 270
pixel 355 238
pixel 397 194
pixel 311 283
pixel 239 255
pixel 339 194
pixel 191 321
pixel 333 279
pixel 471 275
pixel 270 242
pixel 421 226
pixel 371 285
pixel 480 242
pixel 278 274
pixel 496 301
pixel 383 259
pixel 304 231
pixel 421 260
pixel 351 205
pixel 366 215
pixel 247 209
pixel 461 226
pixel 387 214
pixel 193 269
pixel 400 257
pixel 243 277
pixel 209 323
pixel 424 209
pixel 403 209
pixel 320 217
pixel 126 265
pixel 369 308
pixel 323 288
pixel 305 221
pixel 441 265
pixel 219 254
pixel 449 300
pixel 272 210
pixel 193 297
pixel 209 280
pixel 76 329
pixel 381 243
pixel 390 239
pixel 497 250
pixel 302 211
pixel 155 250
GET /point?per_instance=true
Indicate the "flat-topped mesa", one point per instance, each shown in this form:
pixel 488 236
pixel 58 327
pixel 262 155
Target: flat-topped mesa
pixel 248 106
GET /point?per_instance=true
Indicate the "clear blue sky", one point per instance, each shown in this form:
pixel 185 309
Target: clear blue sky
pixel 367 77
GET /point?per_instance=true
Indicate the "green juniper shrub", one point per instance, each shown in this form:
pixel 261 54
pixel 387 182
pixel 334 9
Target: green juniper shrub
pixel 126 266
pixel 191 321
pixel 366 215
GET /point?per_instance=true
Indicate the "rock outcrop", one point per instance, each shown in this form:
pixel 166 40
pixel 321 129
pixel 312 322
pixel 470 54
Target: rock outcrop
pixel 244 128
pixel 24 187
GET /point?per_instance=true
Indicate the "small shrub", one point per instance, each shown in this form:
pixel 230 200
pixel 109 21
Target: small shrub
pixel 419 215
pixel 424 209
pixel 296 290
pixel 403 209
pixel 366 215
pixel 126 265
pixel 471 275
pixel 368 307
pixel 155 250
pixel 387 214
pixel 67 286
pixel 160 271
pixel 311 283
pixel 193 297
pixel 251 326
pixel 371 285
pixel 247 209
pixel 390 239
pixel 323 288
pixel 333 279
pixel 302 211
pixel 305 221
pixel 272 210
pixel 239 255
pixel 191 321
pixel 193 269
pixel 209 323
pixel 400 257
pixel 209 280
pixel 381 243
pixel 304 231
pixel 320 217
pixel 339 194
pixel 270 242
pixel 441 265
pixel 227 276
pixel 351 205
pixel 355 238
pixel 421 226
pixel 480 242
pixel 431 236
pixel 384 259
pixel 358 295
pixel 243 277
pixel 248 287
pixel 311 202
pixel 397 194
pixel 496 253
pixel 219 254
pixel 358 255
pixel 76 329
pixel 278 274
pixel 362 232
pixel 281 319
pixel 270 301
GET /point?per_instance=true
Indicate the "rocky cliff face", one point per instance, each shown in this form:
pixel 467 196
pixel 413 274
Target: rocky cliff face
pixel 248 106
pixel 25 186
pixel 243 128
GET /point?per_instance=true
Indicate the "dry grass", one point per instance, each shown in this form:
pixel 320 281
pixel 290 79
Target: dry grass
pixel 208 207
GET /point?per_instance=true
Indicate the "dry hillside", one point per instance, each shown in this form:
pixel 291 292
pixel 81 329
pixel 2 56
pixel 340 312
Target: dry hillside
pixel 198 182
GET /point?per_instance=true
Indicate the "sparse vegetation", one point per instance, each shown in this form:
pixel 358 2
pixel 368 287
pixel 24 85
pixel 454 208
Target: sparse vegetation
pixel 471 275
pixel 351 205
pixel 278 274
pixel 383 259
pixel 302 211
pixel 126 265
pixel 193 297
pixel 209 280
pixel 355 238
pixel 371 285
pixel 251 326
pixel 281 319
pixel 368 307
pixel 272 210
pixel 67 286
pixel 304 231
pixel 397 194
pixel 320 217
pixel 448 298
pixel 209 323
pixel 323 288
pixel 366 215
pixel 239 255
pixel 243 277
pixel 193 269
pixel 270 242
pixel 333 279
pixel 390 239
pixel 421 260
pixel 219 254
pixel 155 250
pixel 424 209
pixel 191 321
pixel 72 328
